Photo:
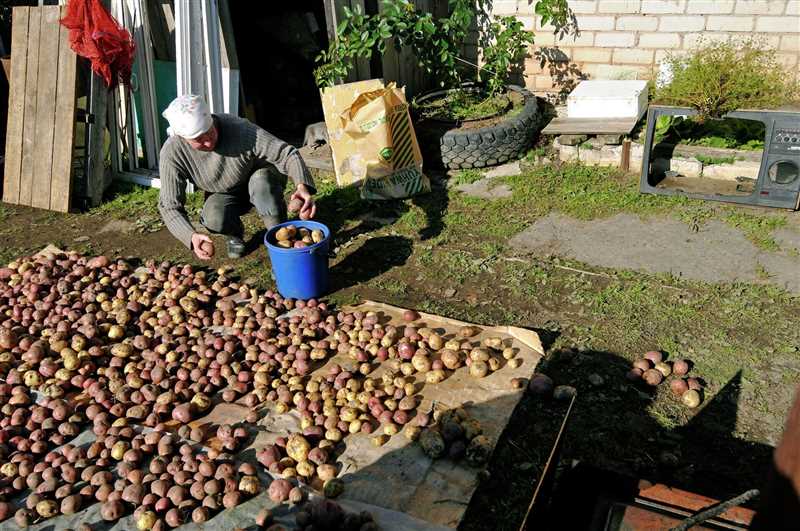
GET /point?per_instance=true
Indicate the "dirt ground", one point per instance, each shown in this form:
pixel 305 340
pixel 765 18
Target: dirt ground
pixel 448 253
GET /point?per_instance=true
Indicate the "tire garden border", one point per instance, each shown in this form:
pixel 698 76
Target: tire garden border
pixel 446 146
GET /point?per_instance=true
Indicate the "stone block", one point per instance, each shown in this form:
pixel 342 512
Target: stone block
pixel 610 155
pixel 729 172
pixel 610 140
pixel 571 140
pixel 686 167
pixel 589 156
pixel 568 153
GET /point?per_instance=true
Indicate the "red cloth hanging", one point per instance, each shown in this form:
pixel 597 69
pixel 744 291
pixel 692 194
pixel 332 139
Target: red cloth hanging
pixel 96 35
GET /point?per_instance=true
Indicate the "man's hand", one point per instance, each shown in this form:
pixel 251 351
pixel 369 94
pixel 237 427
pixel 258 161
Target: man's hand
pixel 309 209
pixel 202 246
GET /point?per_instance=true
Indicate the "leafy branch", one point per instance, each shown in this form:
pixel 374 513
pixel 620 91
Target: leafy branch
pixel 436 43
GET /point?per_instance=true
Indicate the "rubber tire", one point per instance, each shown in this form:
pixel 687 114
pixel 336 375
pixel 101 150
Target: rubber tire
pixel 486 146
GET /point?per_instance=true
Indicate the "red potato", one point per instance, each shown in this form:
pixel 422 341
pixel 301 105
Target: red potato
pixel 654 356
pixel 279 490
pixel 653 377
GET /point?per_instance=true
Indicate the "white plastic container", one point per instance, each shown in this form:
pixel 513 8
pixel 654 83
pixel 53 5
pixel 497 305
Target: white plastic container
pixel 608 99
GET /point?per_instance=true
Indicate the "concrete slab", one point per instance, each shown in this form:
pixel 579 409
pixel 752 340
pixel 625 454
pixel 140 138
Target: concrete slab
pixel 485 189
pixel 503 170
pixel 788 239
pixel 717 253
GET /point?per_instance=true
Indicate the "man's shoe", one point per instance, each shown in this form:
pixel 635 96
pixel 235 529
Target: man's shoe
pixel 235 247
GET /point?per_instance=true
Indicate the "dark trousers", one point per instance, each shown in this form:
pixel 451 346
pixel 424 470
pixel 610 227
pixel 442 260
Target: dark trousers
pixel 264 191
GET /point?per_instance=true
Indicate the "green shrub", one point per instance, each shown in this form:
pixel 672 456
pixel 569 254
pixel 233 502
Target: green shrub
pixel 437 42
pixel 721 77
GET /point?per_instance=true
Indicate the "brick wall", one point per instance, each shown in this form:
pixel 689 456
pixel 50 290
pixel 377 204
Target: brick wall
pixel 627 39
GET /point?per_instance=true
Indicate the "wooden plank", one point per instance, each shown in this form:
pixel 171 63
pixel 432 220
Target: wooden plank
pixel 16 104
pixel 577 126
pixel 159 34
pixel 45 106
pixel 391 61
pixel 61 187
pixel 227 42
pixel 362 69
pixel 29 121
pixel 96 177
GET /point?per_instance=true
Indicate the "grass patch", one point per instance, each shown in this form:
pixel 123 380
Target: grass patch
pixel 5 212
pixel 466 177
pixel 464 105
pixel 131 201
pixel 709 160
pixel 757 228
pixel 390 285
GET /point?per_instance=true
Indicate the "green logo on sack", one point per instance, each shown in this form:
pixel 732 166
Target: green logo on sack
pixel 386 154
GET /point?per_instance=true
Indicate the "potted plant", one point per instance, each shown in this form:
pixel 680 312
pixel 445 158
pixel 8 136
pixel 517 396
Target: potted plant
pixel 475 118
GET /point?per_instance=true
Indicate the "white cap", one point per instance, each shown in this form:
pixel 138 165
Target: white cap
pixel 188 116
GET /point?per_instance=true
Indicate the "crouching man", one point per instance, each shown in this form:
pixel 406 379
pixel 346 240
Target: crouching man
pixel 234 162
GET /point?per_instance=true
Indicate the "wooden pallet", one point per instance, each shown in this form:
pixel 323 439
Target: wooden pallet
pixel 41 111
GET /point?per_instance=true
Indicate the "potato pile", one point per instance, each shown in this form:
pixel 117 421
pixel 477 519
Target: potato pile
pixel 653 369
pixel 293 237
pixel 456 435
pixel 135 355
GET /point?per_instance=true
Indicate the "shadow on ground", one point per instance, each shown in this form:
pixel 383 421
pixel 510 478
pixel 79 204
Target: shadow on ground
pixel 615 446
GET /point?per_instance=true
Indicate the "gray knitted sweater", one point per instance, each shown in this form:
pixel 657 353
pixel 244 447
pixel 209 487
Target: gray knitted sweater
pixel 242 148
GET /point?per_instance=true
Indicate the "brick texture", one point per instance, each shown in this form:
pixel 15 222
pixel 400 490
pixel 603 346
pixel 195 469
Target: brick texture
pixel 663 6
pixel 760 7
pixel 682 23
pixel 582 7
pixel 505 7
pixel 790 43
pixel 728 23
pixel 591 55
pixel 708 7
pixel 659 40
pixel 614 40
pixel 619 6
pixel 693 40
pixel 637 23
pixel 605 23
pixel 633 56
pixel 628 39
pixel 776 24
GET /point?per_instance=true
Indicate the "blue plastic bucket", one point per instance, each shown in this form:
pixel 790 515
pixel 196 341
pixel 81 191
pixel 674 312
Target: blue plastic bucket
pixel 300 273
